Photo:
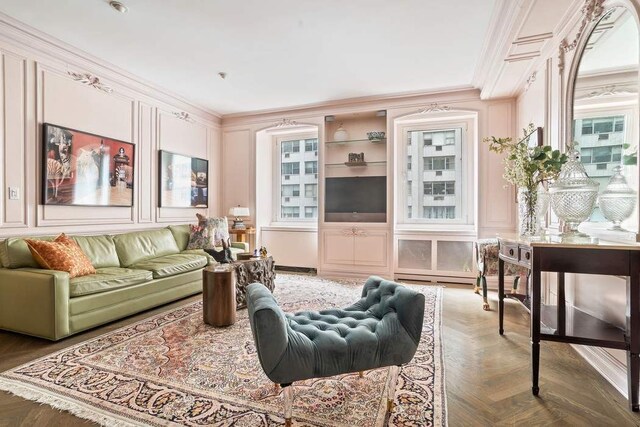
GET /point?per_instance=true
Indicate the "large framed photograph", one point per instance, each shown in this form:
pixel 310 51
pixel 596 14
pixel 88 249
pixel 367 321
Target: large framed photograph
pixel 83 169
pixel 184 181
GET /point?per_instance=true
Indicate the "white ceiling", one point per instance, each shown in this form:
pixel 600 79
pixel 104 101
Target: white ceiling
pixel 277 53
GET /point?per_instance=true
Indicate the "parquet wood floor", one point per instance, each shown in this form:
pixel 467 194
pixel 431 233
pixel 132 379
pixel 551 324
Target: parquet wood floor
pixel 487 376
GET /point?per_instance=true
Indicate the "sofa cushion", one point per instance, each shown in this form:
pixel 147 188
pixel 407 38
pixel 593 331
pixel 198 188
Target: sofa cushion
pixel 170 265
pixel 181 235
pixel 201 252
pixel 14 252
pixel 107 279
pixel 140 246
pixel 63 254
pixel 100 249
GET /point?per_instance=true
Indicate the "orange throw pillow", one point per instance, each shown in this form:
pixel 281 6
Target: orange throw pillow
pixel 62 254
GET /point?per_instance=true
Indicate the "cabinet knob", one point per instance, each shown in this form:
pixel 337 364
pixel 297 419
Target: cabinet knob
pixel 511 252
pixel 527 256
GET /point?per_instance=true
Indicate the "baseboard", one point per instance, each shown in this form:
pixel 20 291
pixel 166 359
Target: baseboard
pixel 608 366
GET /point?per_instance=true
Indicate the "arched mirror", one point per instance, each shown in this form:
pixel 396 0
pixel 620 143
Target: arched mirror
pixel 605 120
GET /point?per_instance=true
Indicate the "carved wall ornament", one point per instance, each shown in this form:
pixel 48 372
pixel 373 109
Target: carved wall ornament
pixel 611 90
pixel 530 80
pixel 284 123
pixel 183 116
pixel 434 108
pixel 90 80
pixel 591 11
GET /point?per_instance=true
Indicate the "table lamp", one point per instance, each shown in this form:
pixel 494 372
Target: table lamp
pixel 238 212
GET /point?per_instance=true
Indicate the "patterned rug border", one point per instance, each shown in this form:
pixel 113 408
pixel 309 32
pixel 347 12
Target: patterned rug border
pixel 85 410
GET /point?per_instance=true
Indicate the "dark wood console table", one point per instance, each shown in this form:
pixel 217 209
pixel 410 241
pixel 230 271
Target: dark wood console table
pixel 568 324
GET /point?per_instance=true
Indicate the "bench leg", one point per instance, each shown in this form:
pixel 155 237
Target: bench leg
pixel 361 374
pixel 476 288
pixel 391 390
pixel 516 283
pixel 485 300
pixel 287 391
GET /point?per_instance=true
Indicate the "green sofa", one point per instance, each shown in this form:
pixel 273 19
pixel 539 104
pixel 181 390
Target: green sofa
pixel 134 272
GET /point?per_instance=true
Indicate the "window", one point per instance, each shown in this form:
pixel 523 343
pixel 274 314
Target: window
pixel 311 144
pixel 291 168
pixel 439 163
pixel 291 146
pixel 439 212
pixel 311 167
pixel 311 190
pixel 438 173
pixel 602 125
pixel 291 190
pixel 310 212
pixel 290 212
pixel 296 187
pixel 432 188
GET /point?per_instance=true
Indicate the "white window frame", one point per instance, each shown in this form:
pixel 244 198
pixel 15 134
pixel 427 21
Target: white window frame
pixel 278 181
pixel 467 122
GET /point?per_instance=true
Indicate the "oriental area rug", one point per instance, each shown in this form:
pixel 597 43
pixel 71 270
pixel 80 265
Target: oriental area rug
pixel 172 369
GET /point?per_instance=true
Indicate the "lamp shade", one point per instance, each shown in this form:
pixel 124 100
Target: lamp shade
pixel 238 211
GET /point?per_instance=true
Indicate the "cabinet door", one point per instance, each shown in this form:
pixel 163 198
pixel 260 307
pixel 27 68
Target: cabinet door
pixel 338 247
pixel 370 248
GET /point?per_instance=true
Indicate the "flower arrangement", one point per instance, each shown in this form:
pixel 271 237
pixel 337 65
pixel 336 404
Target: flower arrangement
pixel 527 168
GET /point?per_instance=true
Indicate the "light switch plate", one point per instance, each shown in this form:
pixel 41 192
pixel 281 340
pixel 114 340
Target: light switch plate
pixel 14 193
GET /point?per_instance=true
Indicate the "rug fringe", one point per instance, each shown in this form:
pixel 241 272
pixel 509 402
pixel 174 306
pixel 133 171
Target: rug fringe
pixel 63 404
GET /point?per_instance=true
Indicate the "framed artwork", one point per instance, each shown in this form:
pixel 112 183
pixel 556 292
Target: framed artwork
pixel 183 181
pixel 83 169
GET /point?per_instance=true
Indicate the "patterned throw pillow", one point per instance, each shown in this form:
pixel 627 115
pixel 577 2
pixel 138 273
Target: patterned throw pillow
pixel 209 233
pixel 62 254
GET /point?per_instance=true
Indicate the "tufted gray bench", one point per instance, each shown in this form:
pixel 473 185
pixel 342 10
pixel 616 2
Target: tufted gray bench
pixel 382 329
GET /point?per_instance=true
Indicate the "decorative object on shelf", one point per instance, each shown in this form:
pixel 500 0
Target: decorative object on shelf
pixel 183 181
pixel 618 200
pixel 356 159
pixel 90 80
pixel 238 212
pixel 263 251
pixel 376 136
pixel 83 169
pixel 573 195
pixel 181 115
pixel 528 168
pixel 340 134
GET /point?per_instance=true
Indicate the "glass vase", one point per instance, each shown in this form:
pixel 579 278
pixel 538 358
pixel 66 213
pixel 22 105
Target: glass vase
pixel 532 208
pixel 618 200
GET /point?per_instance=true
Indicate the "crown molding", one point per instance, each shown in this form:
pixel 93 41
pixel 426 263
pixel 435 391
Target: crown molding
pixel 31 39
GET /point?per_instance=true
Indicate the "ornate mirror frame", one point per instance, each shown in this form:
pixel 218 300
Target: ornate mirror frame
pixel 571 52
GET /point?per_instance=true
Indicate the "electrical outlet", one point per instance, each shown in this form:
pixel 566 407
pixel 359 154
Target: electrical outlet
pixel 14 193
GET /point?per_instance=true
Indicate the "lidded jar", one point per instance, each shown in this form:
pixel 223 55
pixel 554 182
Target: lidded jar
pixel 573 194
pixel 618 200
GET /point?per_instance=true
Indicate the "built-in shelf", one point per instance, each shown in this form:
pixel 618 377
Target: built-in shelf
pixel 352 141
pixel 355 164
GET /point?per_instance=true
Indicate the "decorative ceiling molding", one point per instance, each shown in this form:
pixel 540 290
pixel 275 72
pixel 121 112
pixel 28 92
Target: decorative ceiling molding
pixel 183 116
pixel 434 108
pixel 530 80
pixel 285 123
pixel 90 80
pixel 606 91
pixel 591 11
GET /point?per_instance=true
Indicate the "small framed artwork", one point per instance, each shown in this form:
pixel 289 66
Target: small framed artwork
pixel 183 181
pixel 83 169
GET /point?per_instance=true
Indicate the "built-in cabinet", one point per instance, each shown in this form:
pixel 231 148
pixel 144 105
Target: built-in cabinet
pixel 354 221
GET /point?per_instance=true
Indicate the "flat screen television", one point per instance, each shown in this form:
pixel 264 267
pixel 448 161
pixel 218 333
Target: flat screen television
pixel 356 199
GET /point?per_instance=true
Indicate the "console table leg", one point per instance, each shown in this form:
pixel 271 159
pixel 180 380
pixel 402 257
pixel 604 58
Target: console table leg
pixel 501 295
pixel 633 331
pixel 536 294
pixel 633 373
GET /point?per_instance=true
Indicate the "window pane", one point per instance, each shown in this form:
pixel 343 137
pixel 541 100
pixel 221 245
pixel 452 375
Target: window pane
pixel 432 164
pixel 296 156
pixel 603 125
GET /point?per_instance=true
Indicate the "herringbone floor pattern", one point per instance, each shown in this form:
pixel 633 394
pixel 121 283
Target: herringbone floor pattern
pixel 488 376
